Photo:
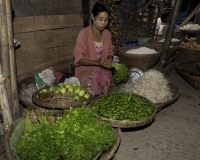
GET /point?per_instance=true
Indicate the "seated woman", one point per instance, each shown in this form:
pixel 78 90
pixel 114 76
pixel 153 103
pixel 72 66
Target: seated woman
pixel 93 53
pixel 165 20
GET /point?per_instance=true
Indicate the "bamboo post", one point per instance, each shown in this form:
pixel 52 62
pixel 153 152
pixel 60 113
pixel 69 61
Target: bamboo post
pixel 188 18
pixel 4 51
pixel 5 108
pixel 14 89
pixel 168 37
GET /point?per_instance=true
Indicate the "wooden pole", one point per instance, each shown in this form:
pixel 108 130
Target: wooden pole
pixel 189 17
pixel 169 35
pixel 4 48
pixel 13 71
pixel 5 108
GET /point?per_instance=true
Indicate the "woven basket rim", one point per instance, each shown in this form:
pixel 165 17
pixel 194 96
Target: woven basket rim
pixel 189 31
pixel 7 138
pixel 109 154
pixel 193 80
pixel 128 124
pixel 176 94
pixel 188 49
pixel 178 66
pixel 54 105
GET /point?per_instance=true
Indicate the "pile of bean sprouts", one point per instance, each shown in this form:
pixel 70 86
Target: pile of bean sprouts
pixel 152 85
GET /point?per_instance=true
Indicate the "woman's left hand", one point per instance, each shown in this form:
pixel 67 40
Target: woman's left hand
pixel 106 63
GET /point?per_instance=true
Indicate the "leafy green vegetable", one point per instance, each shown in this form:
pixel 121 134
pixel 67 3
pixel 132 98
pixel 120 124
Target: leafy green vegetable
pixel 121 73
pixel 115 88
pixel 122 106
pixel 75 135
pixel 192 39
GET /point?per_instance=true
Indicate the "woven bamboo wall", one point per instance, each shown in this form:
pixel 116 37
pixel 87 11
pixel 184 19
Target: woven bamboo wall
pixel 137 25
pixel 128 27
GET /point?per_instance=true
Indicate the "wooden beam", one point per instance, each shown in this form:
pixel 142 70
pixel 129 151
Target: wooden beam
pixel 39 23
pixel 188 18
pixel 58 65
pixel 24 8
pixel 43 39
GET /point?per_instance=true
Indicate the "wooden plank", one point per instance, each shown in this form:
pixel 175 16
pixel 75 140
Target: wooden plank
pixel 36 57
pixel 35 23
pixel 43 39
pixel 25 8
pixel 58 65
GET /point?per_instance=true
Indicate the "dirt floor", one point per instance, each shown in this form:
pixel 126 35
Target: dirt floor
pixel 174 135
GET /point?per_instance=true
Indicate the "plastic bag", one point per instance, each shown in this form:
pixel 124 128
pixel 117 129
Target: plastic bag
pixel 45 78
pixel 73 80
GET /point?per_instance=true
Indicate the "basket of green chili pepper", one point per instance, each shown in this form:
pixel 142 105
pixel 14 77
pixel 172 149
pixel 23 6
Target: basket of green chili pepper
pixel 124 110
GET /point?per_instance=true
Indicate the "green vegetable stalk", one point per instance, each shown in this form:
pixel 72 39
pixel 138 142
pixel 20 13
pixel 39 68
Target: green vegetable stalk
pixel 121 73
pixel 75 135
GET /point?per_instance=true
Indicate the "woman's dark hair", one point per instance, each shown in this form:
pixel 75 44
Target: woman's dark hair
pixel 165 13
pixel 98 8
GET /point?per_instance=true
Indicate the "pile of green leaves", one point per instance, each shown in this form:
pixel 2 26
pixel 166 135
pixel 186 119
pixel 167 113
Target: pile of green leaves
pixel 76 135
pixel 115 88
pixel 121 73
pixel 122 106
pixel 193 39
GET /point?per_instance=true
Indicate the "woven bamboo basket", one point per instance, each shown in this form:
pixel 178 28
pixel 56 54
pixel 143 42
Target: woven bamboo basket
pixel 188 70
pixel 172 50
pixel 21 84
pixel 60 105
pixel 141 61
pixel 104 156
pixel 128 124
pixel 175 91
pixel 189 54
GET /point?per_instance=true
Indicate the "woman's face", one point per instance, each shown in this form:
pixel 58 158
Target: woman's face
pixel 100 21
pixel 169 17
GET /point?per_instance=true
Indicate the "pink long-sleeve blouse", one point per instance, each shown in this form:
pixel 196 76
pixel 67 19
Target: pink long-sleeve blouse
pixel 85 48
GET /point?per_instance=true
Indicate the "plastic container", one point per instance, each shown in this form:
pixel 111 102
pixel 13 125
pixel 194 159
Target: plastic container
pixel 142 40
pixel 135 74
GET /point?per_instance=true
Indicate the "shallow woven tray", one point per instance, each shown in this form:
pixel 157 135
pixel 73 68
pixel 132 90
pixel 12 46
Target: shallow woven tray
pixel 176 94
pixel 26 82
pixel 189 54
pixel 54 105
pixel 141 61
pixel 128 124
pixel 188 70
pixel 104 156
